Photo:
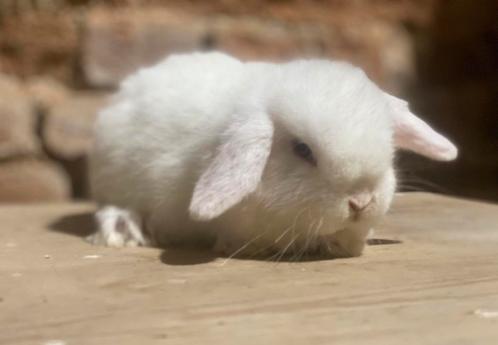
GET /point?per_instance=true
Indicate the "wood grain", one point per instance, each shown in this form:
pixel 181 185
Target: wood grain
pixel 438 286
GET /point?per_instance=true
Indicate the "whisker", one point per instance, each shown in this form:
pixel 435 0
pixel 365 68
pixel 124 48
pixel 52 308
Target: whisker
pixel 411 179
pixel 286 248
pixel 242 248
pixel 292 227
pixel 311 235
pixel 319 227
pixel 307 242
pixel 283 234
pixel 410 188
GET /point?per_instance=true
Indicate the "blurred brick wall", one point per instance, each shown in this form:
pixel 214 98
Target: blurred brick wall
pixel 59 59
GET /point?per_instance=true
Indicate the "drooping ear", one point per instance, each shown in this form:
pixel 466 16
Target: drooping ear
pixel 236 169
pixel 411 133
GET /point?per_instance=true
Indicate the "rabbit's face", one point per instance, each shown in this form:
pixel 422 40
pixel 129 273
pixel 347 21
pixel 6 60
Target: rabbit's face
pixel 332 153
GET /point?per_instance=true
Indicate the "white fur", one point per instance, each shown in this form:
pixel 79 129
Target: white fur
pixel 117 228
pixel 200 144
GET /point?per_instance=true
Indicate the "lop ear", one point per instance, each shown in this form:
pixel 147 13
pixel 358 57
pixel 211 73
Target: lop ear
pixel 236 169
pixel 411 133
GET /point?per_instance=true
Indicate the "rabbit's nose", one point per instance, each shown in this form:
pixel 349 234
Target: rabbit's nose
pixel 360 202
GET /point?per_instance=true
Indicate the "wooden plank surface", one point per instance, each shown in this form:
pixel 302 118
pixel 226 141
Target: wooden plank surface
pixel 438 286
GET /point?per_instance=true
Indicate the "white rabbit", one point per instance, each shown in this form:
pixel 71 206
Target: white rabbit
pixel 290 158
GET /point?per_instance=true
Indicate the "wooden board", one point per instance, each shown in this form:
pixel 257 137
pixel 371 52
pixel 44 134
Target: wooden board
pixel 438 286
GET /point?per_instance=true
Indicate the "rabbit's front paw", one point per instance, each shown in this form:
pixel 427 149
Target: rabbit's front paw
pixel 117 228
pixel 345 243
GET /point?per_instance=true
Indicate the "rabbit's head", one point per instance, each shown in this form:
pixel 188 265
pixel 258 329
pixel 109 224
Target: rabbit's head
pixel 317 154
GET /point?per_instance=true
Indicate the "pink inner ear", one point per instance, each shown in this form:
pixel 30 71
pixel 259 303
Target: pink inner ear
pixel 236 170
pixel 411 133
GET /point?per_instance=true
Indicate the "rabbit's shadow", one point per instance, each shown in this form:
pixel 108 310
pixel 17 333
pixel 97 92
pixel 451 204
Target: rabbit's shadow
pixel 83 224
pixel 78 224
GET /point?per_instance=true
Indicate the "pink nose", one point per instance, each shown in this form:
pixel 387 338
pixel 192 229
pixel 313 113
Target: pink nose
pixel 359 202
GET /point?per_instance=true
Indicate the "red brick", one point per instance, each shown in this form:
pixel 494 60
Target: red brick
pixel 68 128
pixel 17 121
pixel 29 180
pixel 118 41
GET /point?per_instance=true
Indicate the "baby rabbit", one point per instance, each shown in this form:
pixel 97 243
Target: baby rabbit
pixel 293 158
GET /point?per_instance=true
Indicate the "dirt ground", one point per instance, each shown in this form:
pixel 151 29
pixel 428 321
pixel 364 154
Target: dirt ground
pixel 430 278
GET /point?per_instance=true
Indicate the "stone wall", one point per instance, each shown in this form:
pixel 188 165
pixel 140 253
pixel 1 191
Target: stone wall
pixel 60 59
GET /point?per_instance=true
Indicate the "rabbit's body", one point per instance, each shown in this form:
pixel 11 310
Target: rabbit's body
pixel 204 145
pixel 155 138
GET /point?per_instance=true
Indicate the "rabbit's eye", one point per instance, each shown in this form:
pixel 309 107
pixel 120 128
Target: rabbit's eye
pixel 303 151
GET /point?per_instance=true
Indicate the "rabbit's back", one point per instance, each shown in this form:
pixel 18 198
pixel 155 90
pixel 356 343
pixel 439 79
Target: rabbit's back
pixel 153 138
